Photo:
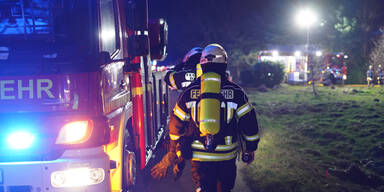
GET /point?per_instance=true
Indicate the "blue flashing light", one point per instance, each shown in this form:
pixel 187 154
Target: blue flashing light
pixel 20 140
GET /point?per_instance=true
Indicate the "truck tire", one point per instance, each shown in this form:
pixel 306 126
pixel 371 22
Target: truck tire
pixel 130 166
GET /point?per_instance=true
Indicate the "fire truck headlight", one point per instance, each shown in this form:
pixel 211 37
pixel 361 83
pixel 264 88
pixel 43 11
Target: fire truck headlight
pixel 20 140
pixel 75 132
pixel 77 177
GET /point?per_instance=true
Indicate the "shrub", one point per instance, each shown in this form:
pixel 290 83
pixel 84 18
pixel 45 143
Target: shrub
pixel 263 73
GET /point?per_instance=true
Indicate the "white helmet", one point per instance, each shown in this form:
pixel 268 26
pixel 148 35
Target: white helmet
pixel 192 52
pixel 213 53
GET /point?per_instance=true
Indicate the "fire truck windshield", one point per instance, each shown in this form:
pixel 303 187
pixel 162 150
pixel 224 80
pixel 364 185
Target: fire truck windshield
pixel 336 61
pixel 47 29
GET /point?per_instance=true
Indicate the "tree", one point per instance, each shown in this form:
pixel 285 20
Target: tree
pixel 238 61
pixel 350 26
pixel 238 26
pixel 376 56
pixel 267 74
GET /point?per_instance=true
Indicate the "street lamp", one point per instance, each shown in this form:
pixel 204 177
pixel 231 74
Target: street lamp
pixel 306 18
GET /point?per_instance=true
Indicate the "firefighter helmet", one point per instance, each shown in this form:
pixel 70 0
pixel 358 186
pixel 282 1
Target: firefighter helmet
pixel 192 58
pixel 194 51
pixel 213 53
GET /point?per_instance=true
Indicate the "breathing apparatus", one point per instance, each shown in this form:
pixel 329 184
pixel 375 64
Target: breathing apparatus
pixel 213 63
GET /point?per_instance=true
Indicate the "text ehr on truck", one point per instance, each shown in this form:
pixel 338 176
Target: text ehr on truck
pixel 80 108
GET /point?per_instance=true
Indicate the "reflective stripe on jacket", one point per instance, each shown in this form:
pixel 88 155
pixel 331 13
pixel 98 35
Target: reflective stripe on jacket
pixel 240 119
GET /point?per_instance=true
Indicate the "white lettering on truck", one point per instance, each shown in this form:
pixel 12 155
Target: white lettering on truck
pixel 20 89
pixel 46 89
pixel 6 89
pixel 9 89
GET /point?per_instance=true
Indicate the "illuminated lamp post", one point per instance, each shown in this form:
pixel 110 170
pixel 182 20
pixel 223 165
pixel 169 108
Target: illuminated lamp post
pixel 306 18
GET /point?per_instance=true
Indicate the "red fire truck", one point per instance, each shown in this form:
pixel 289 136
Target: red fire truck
pixel 80 108
pixel 334 69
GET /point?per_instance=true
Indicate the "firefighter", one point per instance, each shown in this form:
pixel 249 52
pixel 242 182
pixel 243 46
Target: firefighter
pixel 380 75
pixel 171 158
pixel 179 78
pixel 215 115
pixel 370 76
pixel 185 72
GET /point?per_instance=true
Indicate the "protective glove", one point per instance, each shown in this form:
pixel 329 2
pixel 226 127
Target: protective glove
pixel 178 170
pixel 160 169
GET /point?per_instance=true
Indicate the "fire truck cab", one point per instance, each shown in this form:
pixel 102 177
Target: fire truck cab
pixel 334 69
pixel 80 108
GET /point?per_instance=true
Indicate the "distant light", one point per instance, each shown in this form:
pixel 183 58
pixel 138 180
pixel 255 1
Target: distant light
pixel 154 65
pixel 297 53
pixel 161 21
pixel 20 140
pixel 269 74
pixel 306 17
pixel 275 53
pixel 345 56
pixel 319 53
pixel 338 56
pixel 322 24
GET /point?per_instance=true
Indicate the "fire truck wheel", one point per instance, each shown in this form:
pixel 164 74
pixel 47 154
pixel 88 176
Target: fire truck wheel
pixel 129 162
pixel 129 168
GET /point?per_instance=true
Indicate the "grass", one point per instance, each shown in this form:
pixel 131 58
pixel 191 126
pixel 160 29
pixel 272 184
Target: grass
pixel 305 137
